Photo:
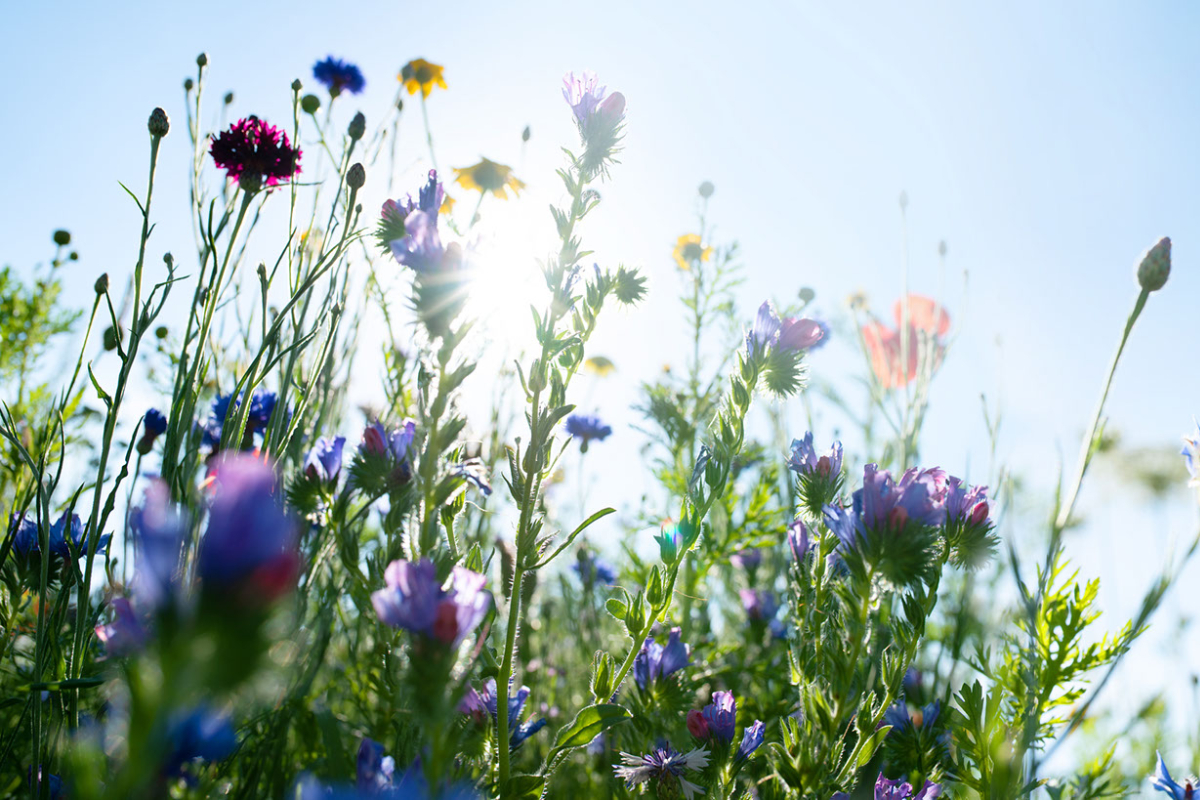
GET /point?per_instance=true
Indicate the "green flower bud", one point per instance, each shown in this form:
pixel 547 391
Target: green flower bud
pixel 707 189
pixel 188 84
pixel 1155 268
pixel 62 238
pixel 229 98
pixel 356 176
pixel 310 103
pixel 101 285
pixel 654 587
pixel 525 134
pixel 161 332
pixel 297 85
pixel 602 677
pixel 358 127
pixel 158 124
pixel 202 60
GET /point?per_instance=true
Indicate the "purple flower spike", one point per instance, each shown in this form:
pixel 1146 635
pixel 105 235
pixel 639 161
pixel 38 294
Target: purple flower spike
pixel 250 544
pixel 324 461
pixel 799 539
pixel 415 600
pixel 654 661
pixel 902 790
pixel 752 739
pixel 918 496
pixel 721 715
pixel 806 461
pixel 583 94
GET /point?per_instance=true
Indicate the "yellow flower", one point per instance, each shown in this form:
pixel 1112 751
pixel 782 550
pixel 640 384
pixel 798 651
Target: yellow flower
pixel 689 250
pixel 421 74
pixel 600 366
pixel 488 176
pixel 447 205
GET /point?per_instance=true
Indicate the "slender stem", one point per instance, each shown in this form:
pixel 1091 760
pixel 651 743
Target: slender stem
pixel 428 131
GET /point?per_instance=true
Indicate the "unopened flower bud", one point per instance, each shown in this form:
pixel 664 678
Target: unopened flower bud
pixel 111 337
pixel 399 105
pixel 62 238
pixel 160 332
pixel 525 134
pixel 310 103
pixel 1155 268
pixel 202 60
pixel 73 256
pixel 188 84
pixel 357 127
pixel 807 294
pixel 612 108
pixel 707 189
pixel 356 176
pixel 697 725
pixel 229 98
pixel 158 124
pixel 101 285
pixel 297 85
pixel 942 248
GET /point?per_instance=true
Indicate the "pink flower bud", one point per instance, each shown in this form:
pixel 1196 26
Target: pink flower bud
pixel 799 334
pixel 612 108
pixel 697 725
pixel 979 513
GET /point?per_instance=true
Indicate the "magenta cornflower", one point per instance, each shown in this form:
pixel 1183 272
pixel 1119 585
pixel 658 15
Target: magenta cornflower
pixel 255 154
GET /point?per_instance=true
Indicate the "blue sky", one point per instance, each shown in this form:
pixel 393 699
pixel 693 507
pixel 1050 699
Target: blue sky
pixel 1048 144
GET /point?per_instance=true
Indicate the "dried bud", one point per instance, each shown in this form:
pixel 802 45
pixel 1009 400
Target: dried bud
pixel 158 124
pixel 357 127
pixel 101 285
pixel 297 85
pixel 229 98
pixel 707 189
pixel 356 176
pixel 310 103
pixel 525 134
pixel 202 60
pixel 62 238
pixel 1155 268
pixel 188 84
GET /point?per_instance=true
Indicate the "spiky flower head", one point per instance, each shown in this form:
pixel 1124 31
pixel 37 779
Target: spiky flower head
pixel 599 117
pixel 818 476
pixel 777 346
pixel 968 525
pixel 255 154
pixel 666 767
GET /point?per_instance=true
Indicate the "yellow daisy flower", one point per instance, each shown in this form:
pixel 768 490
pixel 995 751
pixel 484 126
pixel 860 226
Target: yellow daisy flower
pixel 600 366
pixel 421 74
pixel 488 176
pixel 689 249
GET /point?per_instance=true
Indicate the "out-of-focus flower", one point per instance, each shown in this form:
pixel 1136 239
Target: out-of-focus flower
pixel 255 154
pixel 583 94
pixel 374 772
pixel 787 335
pixel 324 460
pixel 1162 781
pixel 338 76
pixel 414 599
pixel 1191 456
pixel 654 661
pixel 697 725
pixel 587 428
pixel 752 739
pixel 746 559
pixel 902 790
pixel 421 75
pixel 199 735
pixel 826 332
pixel 928 325
pixel 720 716
pixel 474 472
pixel 154 424
pixel 666 767
pixel 600 366
pixel 250 544
pixel 799 540
pixel 158 529
pixel 488 176
pixel 57 790
pixel 901 720
pixel 924 314
pixel 23 531
pixel 689 249
pixel 262 406
pixel 593 570
pixel 125 634
pixel 965 505
pixel 761 605
pixel 475 703
pixel 396 446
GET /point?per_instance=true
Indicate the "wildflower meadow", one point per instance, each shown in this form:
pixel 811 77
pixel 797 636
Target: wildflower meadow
pixel 287 517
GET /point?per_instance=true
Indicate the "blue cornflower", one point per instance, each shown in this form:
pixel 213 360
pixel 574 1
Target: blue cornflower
pixel 262 405
pixel 324 461
pixel 414 599
pixel 1191 456
pixel 250 543
pixel 476 703
pixel 654 661
pixel 59 533
pixel 1163 782
pixel 154 424
pixel 23 532
pixel 666 767
pixel 586 428
pixel 338 75
pixel 201 734
pixel 898 717
pixel 375 772
pixel 158 529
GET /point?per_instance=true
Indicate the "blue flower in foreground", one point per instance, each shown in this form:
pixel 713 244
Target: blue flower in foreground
pixel 57 789
pixel 476 703
pixel 414 599
pixel 201 734
pixel 1163 782
pixel 587 428
pixel 666 767
pixel 250 544
pixel 902 790
pixel 752 739
pixel 324 460
pixel 1191 456
pixel 654 661
pixel 338 75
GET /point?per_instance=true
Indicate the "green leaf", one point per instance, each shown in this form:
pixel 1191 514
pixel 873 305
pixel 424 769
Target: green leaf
pixel 589 723
pixel 522 786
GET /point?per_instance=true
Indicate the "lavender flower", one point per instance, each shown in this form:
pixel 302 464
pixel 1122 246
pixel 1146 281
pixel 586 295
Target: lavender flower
pixel 324 461
pixel 799 539
pixel 201 734
pixel 752 739
pixel 250 543
pixel 720 716
pixel 902 790
pixel 414 599
pixel 654 661
pixel 1163 782
pixel 1191 456
pixel 125 634
pixel 806 462
pixel 587 428
pixel 747 559
pixel 255 154
pixel 665 766
pixel 965 505
pixel 374 771
pixel 338 75
pixel 476 703
pixel 73 527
